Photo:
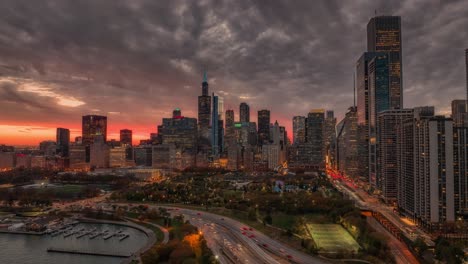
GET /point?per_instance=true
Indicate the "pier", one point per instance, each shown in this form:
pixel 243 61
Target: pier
pixel 89 252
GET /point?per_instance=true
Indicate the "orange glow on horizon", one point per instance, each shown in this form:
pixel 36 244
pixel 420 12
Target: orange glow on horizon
pixel 32 135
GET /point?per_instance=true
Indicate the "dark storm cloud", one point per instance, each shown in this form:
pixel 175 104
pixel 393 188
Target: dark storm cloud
pixel 142 58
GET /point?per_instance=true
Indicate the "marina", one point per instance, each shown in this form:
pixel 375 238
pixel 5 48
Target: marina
pixel 73 244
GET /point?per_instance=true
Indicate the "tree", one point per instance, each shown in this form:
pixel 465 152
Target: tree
pixel 268 219
pixel 420 245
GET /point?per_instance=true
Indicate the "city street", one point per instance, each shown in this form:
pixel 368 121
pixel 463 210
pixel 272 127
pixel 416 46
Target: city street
pixel 235 242
pixel 365 201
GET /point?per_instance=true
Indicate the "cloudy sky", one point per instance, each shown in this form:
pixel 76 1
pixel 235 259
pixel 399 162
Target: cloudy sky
pixel 135 61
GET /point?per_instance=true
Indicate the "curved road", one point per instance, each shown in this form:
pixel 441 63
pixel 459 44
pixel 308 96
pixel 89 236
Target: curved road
pixel 235 242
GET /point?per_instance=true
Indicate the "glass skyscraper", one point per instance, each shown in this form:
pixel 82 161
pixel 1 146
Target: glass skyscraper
pixel 384 35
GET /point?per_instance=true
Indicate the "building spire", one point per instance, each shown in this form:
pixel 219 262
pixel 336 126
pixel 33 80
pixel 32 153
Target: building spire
pixel 205 78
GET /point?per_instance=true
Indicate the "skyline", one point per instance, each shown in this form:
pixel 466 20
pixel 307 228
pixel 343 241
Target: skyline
pixel 51 72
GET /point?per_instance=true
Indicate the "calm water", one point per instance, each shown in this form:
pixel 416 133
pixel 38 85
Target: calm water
pixel 26 249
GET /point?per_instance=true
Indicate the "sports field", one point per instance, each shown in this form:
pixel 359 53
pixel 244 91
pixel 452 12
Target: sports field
pixel 332 238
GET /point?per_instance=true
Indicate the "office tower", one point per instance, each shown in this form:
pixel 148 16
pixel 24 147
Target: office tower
pixel 379 100
pixel 117 156
pixel 460 170
pixel 229 136
pixel 253 135
pixel 181 132
pixel 363 111
pixel 7 160
pixel 299 129
pixel 92 126
pixel 387 172
pixel 384 35
pixel 229 118
pixel 347 144
pixel 214 139
pixel 275 133
pixel 244 112
pixel 143 155
pixel 466 65
pixel 63 141
pixel 426 168
pixel 48 147
pixel 271 154
pixel 329 133
pixel 204 110
pixel 263 126
pixel 99 153
pixel 126 137
pixel 164 156
pixel 459 113
pixel 314 131
pixel 78 157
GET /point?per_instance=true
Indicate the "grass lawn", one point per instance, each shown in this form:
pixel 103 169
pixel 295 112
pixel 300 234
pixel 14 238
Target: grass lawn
pixel 332 238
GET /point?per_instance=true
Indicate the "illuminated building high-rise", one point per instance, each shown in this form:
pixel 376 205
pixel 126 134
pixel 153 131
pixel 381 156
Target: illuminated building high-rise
pixel 204 109
pixel 384 35
pixel 215 147
pixel 363 111
pixel 379 100
pixel 93 126
pixel 299 129
pixel 63 141
pixel 263 126
pixel 426 189
pixel 466 63
pixel 314 136
pixel 244 112
pixel 126 137
pixel 387 167
pixel 181 132
pixel 347 144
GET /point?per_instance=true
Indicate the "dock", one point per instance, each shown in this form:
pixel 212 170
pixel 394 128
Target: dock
pixel 89 252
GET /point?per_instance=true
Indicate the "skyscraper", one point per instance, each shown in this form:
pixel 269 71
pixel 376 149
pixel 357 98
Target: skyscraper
pixel 425 148
pixel 93 126
pixel 180 131
pixel 263 126
pixel 204 109
pixel 363 111
pixel 229 118
pixel 126 137
pixel 466 63
pixel 215 127
pixel 379 100
pixel 460 170
pixel 387 172
pixel 329 133
pixel 244 112
pixel 299 129
pixel 314 131
pixel 347 144
pixel 384 35
pixel 459 113
pixel 63 141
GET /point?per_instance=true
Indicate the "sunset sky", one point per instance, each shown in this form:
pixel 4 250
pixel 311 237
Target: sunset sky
pixel 135 61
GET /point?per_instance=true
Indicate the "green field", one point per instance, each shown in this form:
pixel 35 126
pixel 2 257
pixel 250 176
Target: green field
pixel 332 238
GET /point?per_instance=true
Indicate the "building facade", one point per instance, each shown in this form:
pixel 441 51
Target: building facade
pixel 63 141
pixel 204 110
pixel 263 126
pixel 387 160
pixel 244 112
pixel 384 35
pixel 299 129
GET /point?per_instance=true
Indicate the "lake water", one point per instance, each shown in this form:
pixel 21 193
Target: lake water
pixel 28 249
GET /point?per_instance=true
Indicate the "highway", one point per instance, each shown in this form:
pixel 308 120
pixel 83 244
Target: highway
pixel 234 242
